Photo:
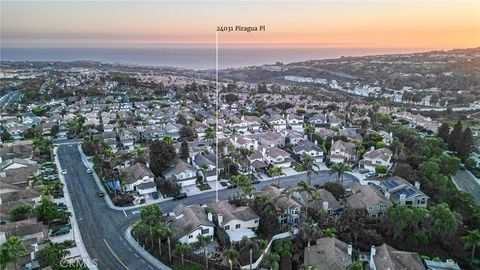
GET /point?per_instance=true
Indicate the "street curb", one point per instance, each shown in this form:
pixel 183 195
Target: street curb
pixel 141 251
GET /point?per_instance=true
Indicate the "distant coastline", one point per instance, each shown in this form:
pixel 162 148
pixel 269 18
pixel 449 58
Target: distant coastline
pixel 192 58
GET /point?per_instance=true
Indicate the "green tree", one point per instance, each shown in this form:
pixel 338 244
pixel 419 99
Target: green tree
pixel 184 151
pixel 272 260
pixel 339 169
pixel 53 254
pixel 150 216
pixel 183 249
pixel 47 210
pixel 203 241
pixel 329 232
pixel 356 265
pixel 209 134
pixel 453 139
pixel 11 251
pixel 162 155
pixel 310 165
pixel 276 171
pixel 168 139
pixel 444 132
pixel 444 222
pixel 381 169
pixel 470 163
pixel 465 145
pixel 231 254
pixel 20 212
pixel 309 130
pixel 472 240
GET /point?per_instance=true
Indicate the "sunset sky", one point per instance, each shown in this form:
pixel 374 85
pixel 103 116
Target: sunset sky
pixel 404 24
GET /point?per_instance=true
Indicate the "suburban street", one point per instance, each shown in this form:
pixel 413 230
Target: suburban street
pixel 102 228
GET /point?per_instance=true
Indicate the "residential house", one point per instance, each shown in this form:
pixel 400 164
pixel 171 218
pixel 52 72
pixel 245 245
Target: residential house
pixel 277 122
pixel 320 199
pixel 376 157
pixel 236 221
pixel 400 191
pixel 182 172
pixel 208 159
pixel 272 139
pixel 254 123
pixel 294 137
pixel 140 178
pixel 341 151
pixel 276 157
pixel 309 148
pixel 368 198
pixel 386 257
pixel 190 221
pixel 295 122
pixel 328 253
pixel 289 209
pixel 318 120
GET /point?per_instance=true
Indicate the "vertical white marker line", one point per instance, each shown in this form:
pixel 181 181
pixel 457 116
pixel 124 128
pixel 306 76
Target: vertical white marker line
pixel 216 116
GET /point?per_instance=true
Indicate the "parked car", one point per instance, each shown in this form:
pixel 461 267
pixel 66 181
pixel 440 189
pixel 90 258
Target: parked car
pixel 64 171
pixel 89 171
pixel 255 181
pixel 372 174
pixel 101 194
pixel 179 196
pixel 61 231
pixel 362 171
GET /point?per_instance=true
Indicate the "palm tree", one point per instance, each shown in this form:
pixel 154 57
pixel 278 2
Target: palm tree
pixel 309 129
pixel 231 255
pixel 227 161
pixel 272 260
pixel 309 233
pixel 183 249
pixel 168 233
pixel 168 139
pixel 203 240
pixel 339 169
pixel 209 134
pixel 247 244
pixel 304 187
pixel 472 240
pixel 11 251
pixel 311 166
pixel 276 171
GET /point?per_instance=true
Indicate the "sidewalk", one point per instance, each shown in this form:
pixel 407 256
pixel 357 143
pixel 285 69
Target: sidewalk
pixel 141 251
pixel 73 219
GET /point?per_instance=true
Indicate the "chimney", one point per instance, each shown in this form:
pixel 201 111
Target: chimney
pixel 305 137
pixel 316 142
pixel 147 164
pixel 210 216
pixel 403 198
pixel 372 148
pixel 373 250
pixel 325 206
pixel 387 195
pixel 220 219
pixel 417 185
pixel 349 250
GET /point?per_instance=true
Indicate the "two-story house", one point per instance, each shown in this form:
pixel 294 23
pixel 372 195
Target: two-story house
pixel 288 209
pixel 190 221
pixel 236 221
pixel 309 148
pixel 277 122
pixel 400 191
pixel 368 198
pixel 342 152
pixel 376 157
pixel 182 172
pixel 139 178
pixel 295 122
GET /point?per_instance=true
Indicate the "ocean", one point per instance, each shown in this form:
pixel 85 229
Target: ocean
pixel 184 57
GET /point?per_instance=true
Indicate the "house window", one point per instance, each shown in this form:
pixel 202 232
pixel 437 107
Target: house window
pixel 190 236
pixel 370 208
pixel 227 227
pixel 237 226
pixel 256 221
pixel 206 231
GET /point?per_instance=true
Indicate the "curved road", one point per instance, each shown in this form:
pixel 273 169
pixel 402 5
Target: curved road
pixel 102 228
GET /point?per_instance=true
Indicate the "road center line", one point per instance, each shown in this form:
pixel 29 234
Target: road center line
pixel 108 246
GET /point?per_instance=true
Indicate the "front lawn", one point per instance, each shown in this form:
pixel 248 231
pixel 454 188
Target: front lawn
pixel 203 186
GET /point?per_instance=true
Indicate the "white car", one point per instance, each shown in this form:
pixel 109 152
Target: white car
pixel 89 171
pixel 64 171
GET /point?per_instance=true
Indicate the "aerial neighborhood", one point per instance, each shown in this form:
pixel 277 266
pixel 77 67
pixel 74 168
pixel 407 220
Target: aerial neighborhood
pixel 254 175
